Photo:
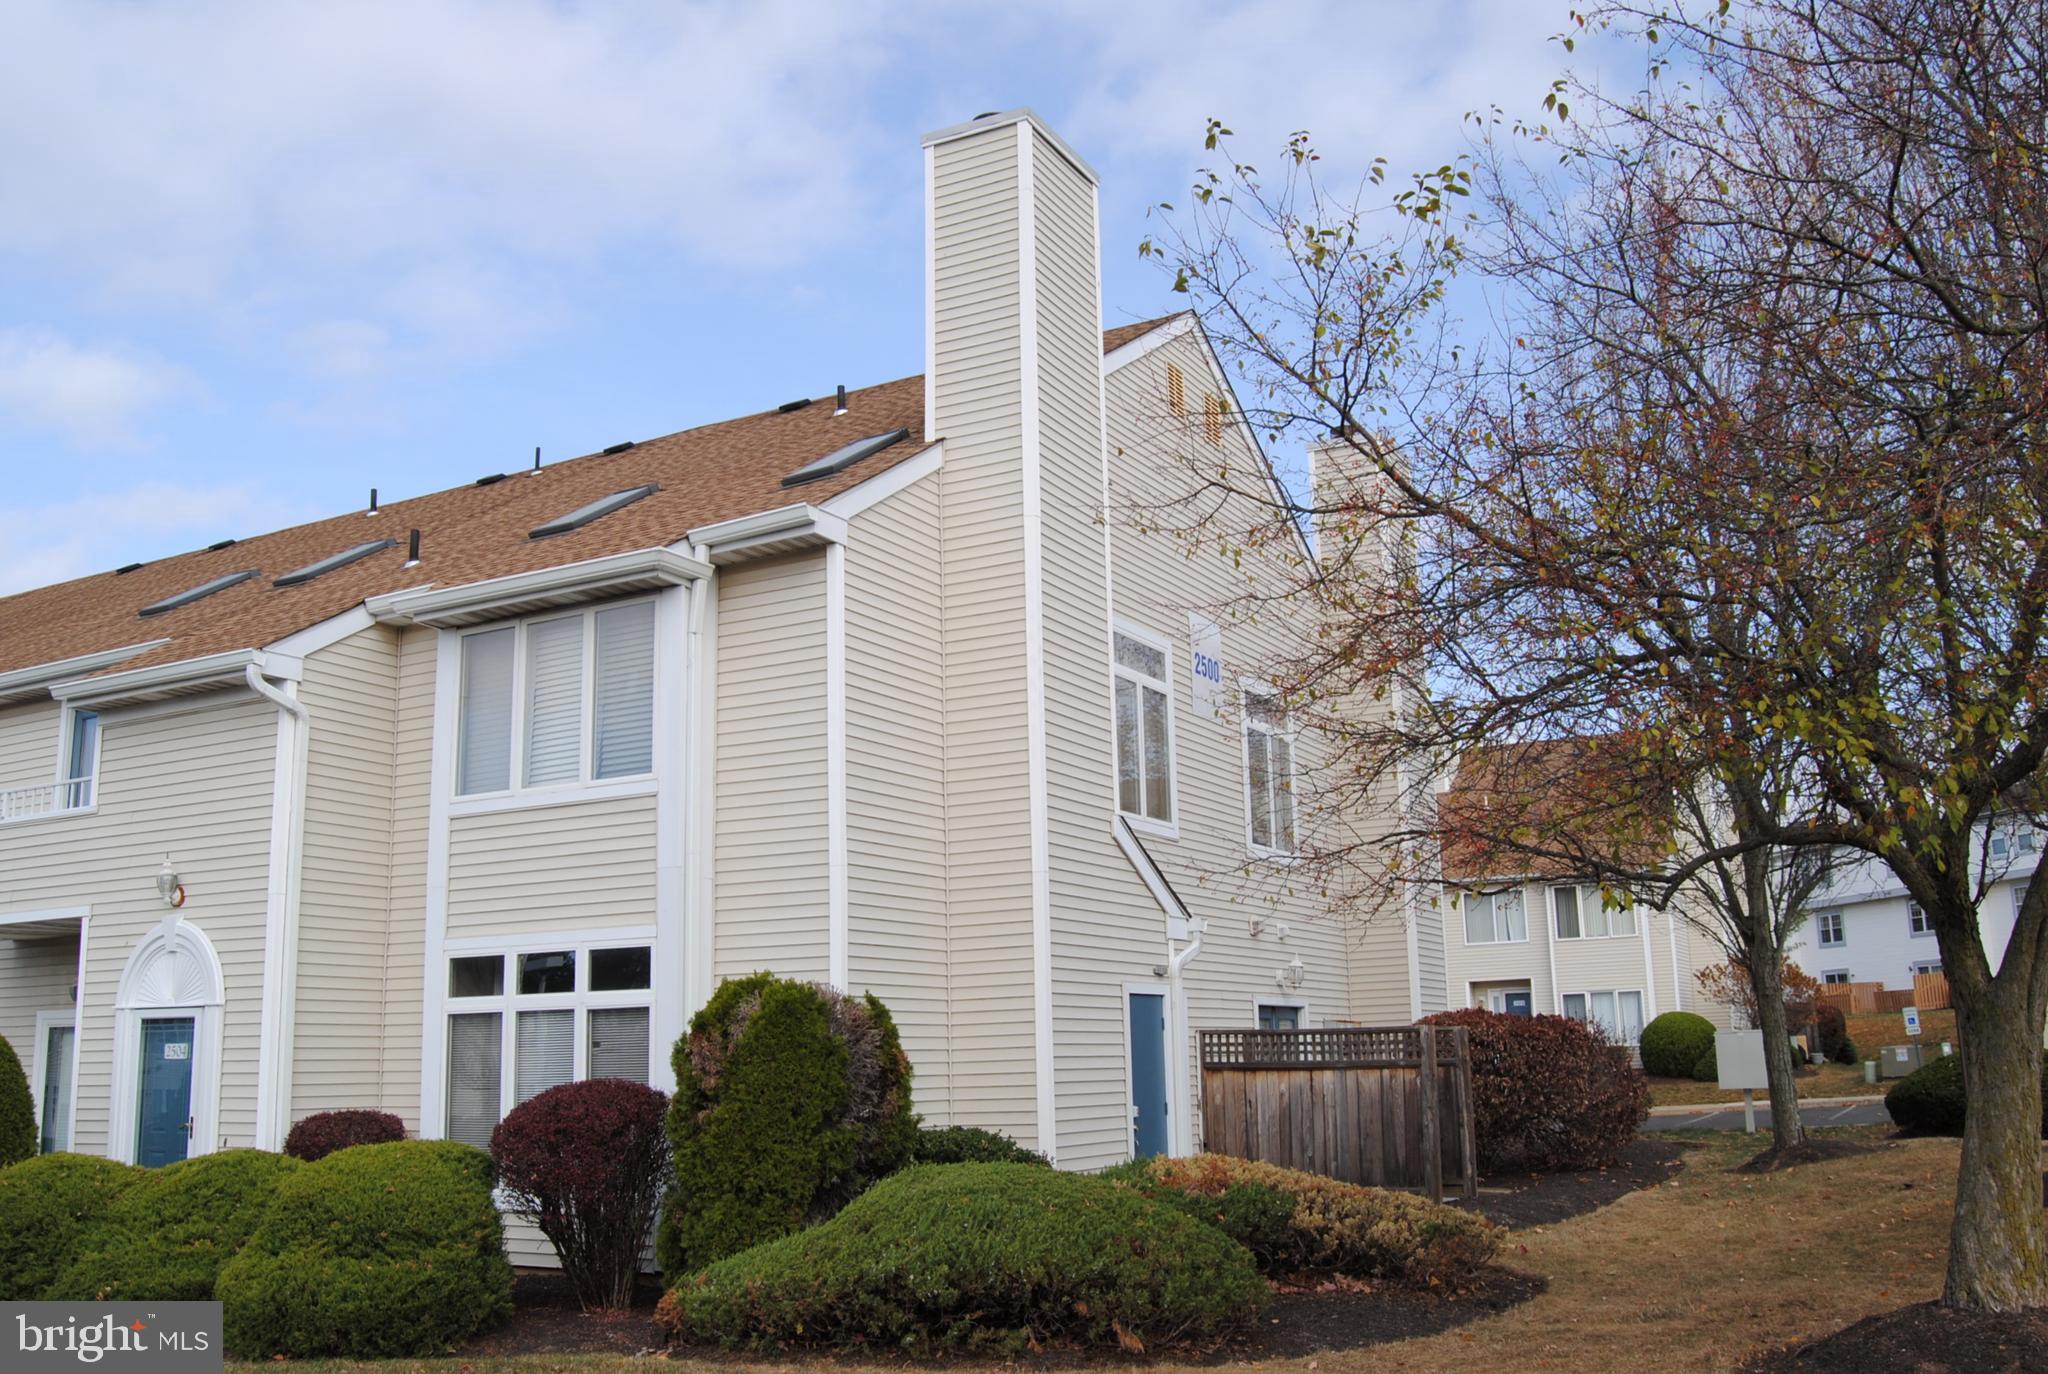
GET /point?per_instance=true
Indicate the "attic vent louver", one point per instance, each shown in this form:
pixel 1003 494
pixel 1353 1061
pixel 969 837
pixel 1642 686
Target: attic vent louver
pixel 839 460
pixel 204 589
pixel 333 561
pixel 217 546
pixel 596 510
pixel 788 406
pixel 618 448
pixel 127 568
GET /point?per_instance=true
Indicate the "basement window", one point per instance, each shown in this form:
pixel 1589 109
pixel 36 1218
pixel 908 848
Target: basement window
pixel 840 459
pixel 198 593
pixel 596 510
pixel 333 561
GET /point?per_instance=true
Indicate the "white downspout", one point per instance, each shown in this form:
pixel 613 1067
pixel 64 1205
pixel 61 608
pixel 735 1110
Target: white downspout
pixel 1183 1134
pixel 281 926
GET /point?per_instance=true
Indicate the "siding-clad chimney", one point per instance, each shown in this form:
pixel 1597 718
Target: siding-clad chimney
pixel 1013 384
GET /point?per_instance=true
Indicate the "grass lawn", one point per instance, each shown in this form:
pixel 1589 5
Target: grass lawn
pixel 1873 1030
pixel 1688 1276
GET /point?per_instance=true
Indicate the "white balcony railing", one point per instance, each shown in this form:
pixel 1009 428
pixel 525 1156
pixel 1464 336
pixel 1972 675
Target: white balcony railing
pixel 47 799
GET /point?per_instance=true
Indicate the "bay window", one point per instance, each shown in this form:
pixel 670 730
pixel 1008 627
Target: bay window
pixel 557 700
pixel 522 1022
pixel 1144 727
pixel 1269 769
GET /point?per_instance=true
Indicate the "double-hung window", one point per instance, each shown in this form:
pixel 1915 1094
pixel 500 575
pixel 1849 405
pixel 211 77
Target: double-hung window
pixel 1493 918
pixel 1584 913
pixel 81 760
pixel 1917 921
pixel 1829 924
pixel 1835 978
pixel 1144 727
pixel 1269 768
pixel 557 701
pixel 1620 1014
pixel 521 1022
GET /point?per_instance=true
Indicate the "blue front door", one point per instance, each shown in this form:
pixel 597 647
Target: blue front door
pixel 163 1131
pixel 1515 1003
pixel 1148 1073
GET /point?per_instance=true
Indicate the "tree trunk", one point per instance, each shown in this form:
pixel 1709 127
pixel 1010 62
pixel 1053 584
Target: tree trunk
pixel 1767 981
pixel 1998 1241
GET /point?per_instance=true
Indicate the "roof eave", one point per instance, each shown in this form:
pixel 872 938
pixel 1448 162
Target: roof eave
pixel 28 684
pixel 567 584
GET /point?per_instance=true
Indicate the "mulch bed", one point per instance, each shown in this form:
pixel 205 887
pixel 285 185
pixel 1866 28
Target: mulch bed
pixel 1523 1200
pixel 1339 1315
pixel 1924 1339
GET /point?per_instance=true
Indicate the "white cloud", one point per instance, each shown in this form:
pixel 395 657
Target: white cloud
pixel 92 396
pixel 40 545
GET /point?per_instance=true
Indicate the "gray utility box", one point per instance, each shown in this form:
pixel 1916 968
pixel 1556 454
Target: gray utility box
pixel 1896 1061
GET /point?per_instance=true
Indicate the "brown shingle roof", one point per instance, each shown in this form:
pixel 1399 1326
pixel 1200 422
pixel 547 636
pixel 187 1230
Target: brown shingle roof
pixel 1551 809
pixel 470 533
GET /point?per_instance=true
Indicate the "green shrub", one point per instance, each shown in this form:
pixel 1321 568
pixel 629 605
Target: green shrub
pixel 372 1252
pixel 790 1101
pixel 47 1204
pixel 1673 1043
pixel 1831 1028
pixel 1932 1100
pixel 1708 1068
pixel 978 1256
pixel 1321 1225
pixel 166 1238
pixel 1846 1052
pixel 18 1140
pixel 969 1145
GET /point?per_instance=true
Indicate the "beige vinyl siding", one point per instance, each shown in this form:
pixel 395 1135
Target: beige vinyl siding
pixel 194 783
pixel 349 690
pixel 1351 973
pixel 28 744
pixel 1501 961
pixel 977 384
pixel 769 861
pixel 585 865
pixel 412 760
pixel 35 976
pixel 896 779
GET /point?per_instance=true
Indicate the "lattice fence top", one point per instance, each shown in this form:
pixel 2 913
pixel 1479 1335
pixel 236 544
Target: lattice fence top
pixel 1329 1047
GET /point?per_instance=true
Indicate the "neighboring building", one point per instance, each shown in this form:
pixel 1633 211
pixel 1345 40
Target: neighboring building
pixel 1524 936
pixel 865 692
pixel 1863 928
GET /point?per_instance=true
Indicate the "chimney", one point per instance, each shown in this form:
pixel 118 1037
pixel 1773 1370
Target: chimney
pixel 1013 384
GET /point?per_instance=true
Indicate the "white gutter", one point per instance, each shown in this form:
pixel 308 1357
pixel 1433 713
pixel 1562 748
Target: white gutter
pixel 281 913
pixel 468 603
pixel 173 679
pixel 1182 1135
pixel 34 681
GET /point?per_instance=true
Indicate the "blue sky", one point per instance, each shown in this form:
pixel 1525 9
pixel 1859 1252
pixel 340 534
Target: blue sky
pixel 257 258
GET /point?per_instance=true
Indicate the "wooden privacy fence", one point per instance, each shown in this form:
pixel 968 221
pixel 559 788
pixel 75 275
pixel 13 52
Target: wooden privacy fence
pixel 1862 998
pixel 1930 991
pixel 1386 1106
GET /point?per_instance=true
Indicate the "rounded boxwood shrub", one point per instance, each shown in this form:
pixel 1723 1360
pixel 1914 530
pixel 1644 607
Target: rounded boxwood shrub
pixel 1673 1043
pixel 978 1256
pixel 1295 1222
pixel 1708 1068
pixel 47 1205
pixel 166 1238
pixel 1548 1093
pixel 373 1252
pixel 322 1133
pixel 587 1163
pixel 970 1145
pixel 791 1099
pixel 17 1110
pixel 1932 1100
pixel 1831 1034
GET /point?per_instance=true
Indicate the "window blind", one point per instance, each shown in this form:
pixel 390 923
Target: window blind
pixel 475 1059
pixel 622 725
pixel 1127 767
pixel 57 1089
pixel 545 1052
pixel 618 1043
pixel 1261 787
pixel 554 701
pixel 1283 793
pixel 484 744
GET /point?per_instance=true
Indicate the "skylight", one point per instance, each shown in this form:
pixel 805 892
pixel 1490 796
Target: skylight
pixel 839 460
pixel 204 589
pixel 596 510
pixel 333 561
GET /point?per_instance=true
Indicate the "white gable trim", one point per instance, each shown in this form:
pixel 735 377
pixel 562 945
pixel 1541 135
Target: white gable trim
pixel 851 502
pixel 1147 343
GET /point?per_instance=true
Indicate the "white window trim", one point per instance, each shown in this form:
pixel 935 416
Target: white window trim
pixel 1847 977
pixel 508 1004
pixel 130 1012
pixel 1919 966
pixel 1820 939
pixel 1635 918
pixel 1247 689
pixel 1295 1004
pixel 47 1021
pixel 1643 1000
pixel 1912 934
pixel 67 723
pixel 585 788
pixel 1168 829
pixel 1496 997
pixel 1465 930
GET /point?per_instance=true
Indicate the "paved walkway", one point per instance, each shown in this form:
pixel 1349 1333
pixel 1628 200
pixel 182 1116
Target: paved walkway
pixel 1829 1111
